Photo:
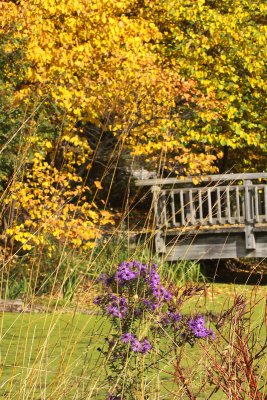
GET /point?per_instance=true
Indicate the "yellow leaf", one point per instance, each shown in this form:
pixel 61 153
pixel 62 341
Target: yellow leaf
pixel 98 185
pixel 27 247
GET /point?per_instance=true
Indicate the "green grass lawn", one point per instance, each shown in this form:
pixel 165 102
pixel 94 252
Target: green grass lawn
pixel 54 356
pixel 41 350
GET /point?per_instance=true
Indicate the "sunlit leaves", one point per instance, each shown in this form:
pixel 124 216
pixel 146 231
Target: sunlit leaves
pixel 168 78
pixel 53 204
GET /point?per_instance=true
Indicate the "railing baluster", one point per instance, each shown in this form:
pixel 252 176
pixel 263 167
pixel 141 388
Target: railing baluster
pixel 228 205
pixel 192 218
pixel 248 213
pixel 256 203
pixel 174 222
pixel 243 204
pixel 219 208
pixel 163 212
pixel 237 204
pixel 200 206
pixel 182 207
pixel 249 226
pixel 209 206
pixel 265 202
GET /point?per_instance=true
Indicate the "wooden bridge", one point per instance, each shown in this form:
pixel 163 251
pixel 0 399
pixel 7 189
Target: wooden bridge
pixel 219 216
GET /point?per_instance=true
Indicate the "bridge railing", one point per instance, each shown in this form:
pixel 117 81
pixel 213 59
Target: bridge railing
pixel 219 205
pixel 221 200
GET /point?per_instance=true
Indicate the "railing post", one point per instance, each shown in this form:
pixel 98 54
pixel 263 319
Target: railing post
pixel 249 222
pixel 159 241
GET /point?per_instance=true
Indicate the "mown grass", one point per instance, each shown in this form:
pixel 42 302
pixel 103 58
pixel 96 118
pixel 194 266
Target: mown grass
pixel 54 355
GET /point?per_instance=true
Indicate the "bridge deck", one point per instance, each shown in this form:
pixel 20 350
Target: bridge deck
pixel 218 216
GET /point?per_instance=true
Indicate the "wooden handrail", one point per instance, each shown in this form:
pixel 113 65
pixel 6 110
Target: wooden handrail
pixel 207 178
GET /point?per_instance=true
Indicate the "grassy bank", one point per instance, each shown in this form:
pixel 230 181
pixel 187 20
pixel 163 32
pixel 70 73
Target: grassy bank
pixel 55 356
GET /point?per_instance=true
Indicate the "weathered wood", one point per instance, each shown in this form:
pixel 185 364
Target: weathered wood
pixel 249 235
pixel 265 202
pixel 200 206
pixel 182 210
pixel 219 209
pixel 256 204
pixel 192 218
pixel 237 204
pixel 210 246
pixel 261 227
pixel 173 212
pixel 209 178
pixel 209 213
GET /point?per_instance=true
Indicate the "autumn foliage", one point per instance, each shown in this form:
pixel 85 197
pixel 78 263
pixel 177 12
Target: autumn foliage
pixel 50 204
pixel 183 82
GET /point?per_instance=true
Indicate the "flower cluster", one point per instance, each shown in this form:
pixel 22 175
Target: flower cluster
pixel 131 277
pixel 130 272
pixel 112 305
pixel 137 346
pixel 171 318
pixel 156 287
pixel 185 329
pixel 197 326
pixel 133 292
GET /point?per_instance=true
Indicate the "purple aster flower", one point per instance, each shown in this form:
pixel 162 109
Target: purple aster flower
pixel 171 318
pixel 105 279
pixel 176 317
pixel 165 294
pixel 165 320
pixel 123 302
pixel 127 337
pixel 97 300
pixel 160 292
pixel 154 279
pixel 136 346
pixel 113 297
pixel 156 287
pixel 126 272
pixel 142 268
pixel 112 310
pixel 118 307
pixel 197 325
pixel 151 305
pixel 146 346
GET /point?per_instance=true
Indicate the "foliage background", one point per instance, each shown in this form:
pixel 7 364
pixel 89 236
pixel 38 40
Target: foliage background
pixel 178 86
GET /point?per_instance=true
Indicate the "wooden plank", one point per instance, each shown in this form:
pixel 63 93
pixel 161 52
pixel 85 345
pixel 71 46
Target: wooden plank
pixel 207 178
pixel 216 247
pixel 191 230
pixel 222 188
